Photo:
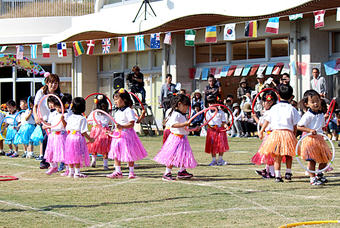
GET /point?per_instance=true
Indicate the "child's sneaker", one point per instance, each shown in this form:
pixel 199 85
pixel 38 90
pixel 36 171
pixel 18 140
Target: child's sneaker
pixel 132 175
pixel 61 167
pixel 106 167
pixel 2 153
pixel 24 155
pixel 288 176
pixel 65 174
pixel 213 163
pixel 14 155
pixel 315 181
pixel 40 158
pixel 93 164
pixel 184 175
pixel 168 177
pixel 221 162
pixel 79 175
pixel 115 175
pixel 30 155
pixel 9 153
pixel 321 178
pixel 261 173
pixel 278 179
pixel 50 171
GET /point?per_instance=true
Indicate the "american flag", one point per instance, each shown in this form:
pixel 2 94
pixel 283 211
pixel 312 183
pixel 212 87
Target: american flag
pixel 106 45
pixel 90 47
pixel 20 52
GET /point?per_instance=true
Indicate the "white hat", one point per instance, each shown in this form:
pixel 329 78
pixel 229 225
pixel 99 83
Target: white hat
pixel 260 76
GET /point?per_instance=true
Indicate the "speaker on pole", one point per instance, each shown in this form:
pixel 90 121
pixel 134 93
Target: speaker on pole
pixel 118 80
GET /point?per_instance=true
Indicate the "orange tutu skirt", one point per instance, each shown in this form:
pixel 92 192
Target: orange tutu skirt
pixel 279 142
pixel 216 141
pixel 315 148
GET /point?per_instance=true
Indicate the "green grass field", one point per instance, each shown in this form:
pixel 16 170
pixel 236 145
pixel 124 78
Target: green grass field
pixel 227 196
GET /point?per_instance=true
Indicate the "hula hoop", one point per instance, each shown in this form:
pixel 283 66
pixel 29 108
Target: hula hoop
pixel 231 113
pixel 258 125
pixel 331 105
pixel 7 117
pixel 15 117
pixel 113 120
pixel 92 94
pixel 257 95
pixel 299 161
pixel 8 178
pixel 199 113
pixel 309 223
pixel 39 113
pixel 131 93
pixel 28 103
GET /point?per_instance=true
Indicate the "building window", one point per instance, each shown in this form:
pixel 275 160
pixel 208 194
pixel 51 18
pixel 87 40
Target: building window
pixel 280 47
pixel 336 42
pixel 202 54
pixel 104 86
pixel 131 60
pixel 64 70
pixel 105 63
pixel 218 52
pixel 66 87
pixel 239 50
pixel 116 63
pixel 157 58
pixel 256 49
pixel 143 59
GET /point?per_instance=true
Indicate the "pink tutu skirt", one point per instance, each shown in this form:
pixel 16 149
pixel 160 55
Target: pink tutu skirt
pixel 315 148
pixel 76 150
pixel 166 134
pixel 128 147
pixel 176 151
pixel 102 141
pixel 55 148
pixel 216 141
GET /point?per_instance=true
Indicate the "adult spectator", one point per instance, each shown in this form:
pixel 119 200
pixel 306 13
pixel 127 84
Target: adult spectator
pixel 318 83
pixel 242 89
pixel 51 87
pixel 167 88
pixel 137 83
pixel 213 88
pixel 198 121
pixel 197 99
pixel 284 80
pixel 260 83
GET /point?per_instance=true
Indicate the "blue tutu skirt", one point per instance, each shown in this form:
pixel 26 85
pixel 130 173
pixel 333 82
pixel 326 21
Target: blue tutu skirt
pixel 25 133
pixel 10 136
pixel 37 136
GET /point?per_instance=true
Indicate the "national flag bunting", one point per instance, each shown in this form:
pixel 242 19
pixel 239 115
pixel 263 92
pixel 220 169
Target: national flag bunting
pixel 46 50
pixel 273 25
pixel 229 31
pixel 106 44
pixel 62 49
pixel 210 34
pixel 155 40
pixel 139 43
pixel 167 38
pixel 78 48
pixel 34 49
pixel 90 47
pixel 20 51
pixel 190 37
pixel 3 48
pixel 319 18
pixel 122 44
pixel 295 16
pixel 251 29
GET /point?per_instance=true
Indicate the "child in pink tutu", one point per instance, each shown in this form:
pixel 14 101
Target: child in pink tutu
pixel 216 141
pixel 283 118
pixel 269 98
pixel 102 140
pixel 314 149
pixel 76 153
pixel 167 103
pixel 126 147
pixel 54 152
pixel 176 151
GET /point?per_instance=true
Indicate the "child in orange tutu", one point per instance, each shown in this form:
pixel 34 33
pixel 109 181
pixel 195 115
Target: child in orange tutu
pixel 283 118
pixel 216 141
pixel 314 149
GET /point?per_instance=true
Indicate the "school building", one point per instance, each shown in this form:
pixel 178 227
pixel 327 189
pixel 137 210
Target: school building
pixel 296 49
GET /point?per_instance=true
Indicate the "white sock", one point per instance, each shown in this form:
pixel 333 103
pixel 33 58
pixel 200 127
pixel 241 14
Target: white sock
pixel 167 170
pixel 118 169
pixel 77 170
pixel 311 179
pixel 220 157
pixel 267 168
pixel 213 159
pixel 105 162
pixel 71 170
pixel 131 169
pixel 94 157
pixel 288 170
pixel 271 170
pixel 277 173
pixel 181 169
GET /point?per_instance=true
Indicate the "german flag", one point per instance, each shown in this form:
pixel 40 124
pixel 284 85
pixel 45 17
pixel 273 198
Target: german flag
pixel 251 29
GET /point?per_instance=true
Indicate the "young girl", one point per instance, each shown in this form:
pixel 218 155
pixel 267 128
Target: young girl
pixel 2 116
pixel 102 140
pixel 176 151
pixel 283 118
pixel 314 149
pixel 76 153
pixel 128 147
pixel 54 152
pixel 11 129
pixel 27 126
pixel 216 141
pixel 167 103
pixel 269 99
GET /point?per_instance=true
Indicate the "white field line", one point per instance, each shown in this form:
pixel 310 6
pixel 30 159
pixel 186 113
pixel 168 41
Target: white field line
pixel 88 222
pixel 20 165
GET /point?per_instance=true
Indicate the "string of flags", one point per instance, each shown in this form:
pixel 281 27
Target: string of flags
pixel 250 30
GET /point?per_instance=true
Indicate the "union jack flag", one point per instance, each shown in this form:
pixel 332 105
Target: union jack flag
pixel 106 44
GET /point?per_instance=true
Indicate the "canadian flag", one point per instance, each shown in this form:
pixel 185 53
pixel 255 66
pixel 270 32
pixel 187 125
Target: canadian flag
pixel 90 47
pixel 319 18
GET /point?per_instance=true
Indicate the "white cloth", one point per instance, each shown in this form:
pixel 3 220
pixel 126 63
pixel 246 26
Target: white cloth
pixel 283 116
pixel 125 117
pixel 313 121
pixel 10 121
pixel 167 117
pixel 54 118
pixel 262 118
pixel 100 118
pixel 239 116
pixel 217 120
pixel 177 117
pixel 44 110
pixel 77 123
pixel 23 118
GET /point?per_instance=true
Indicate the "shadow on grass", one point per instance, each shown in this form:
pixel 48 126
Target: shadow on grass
pixel 229 164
